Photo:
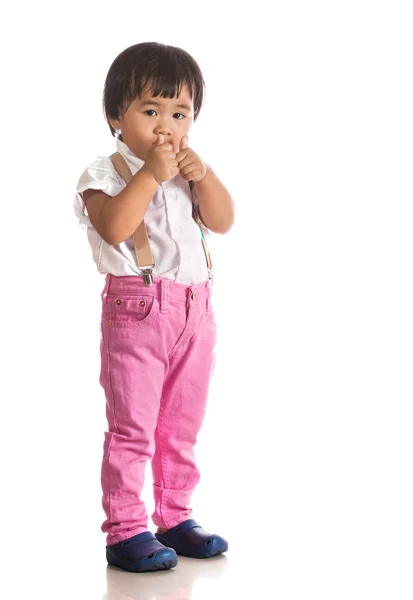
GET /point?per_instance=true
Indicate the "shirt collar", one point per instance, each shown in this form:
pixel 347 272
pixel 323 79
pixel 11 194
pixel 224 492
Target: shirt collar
pixel 135 163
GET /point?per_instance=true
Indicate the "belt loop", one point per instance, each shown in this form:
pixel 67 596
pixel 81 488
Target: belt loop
pixel 191 290
pixel 164 295
pixel 106 287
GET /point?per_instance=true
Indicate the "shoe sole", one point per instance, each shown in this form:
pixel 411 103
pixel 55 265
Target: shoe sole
pixel 166 542
pixel 163 566
pixel 205 556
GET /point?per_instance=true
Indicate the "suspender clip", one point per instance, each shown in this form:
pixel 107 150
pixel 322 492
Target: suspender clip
pixel 147 275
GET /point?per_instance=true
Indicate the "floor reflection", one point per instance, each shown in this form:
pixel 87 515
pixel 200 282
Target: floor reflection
pixel 174 584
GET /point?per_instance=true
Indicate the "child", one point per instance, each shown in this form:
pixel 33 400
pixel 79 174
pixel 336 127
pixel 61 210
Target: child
pixel 147 210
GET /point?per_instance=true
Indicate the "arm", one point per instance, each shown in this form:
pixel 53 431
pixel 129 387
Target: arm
pixel 117 218
pixel 216 207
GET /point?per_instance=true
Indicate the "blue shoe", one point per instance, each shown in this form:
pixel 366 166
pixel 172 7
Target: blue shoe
pixel 140 553
pixel 190 539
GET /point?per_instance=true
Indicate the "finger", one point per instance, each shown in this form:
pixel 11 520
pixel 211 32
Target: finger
pixel 184 142
pixel 176 146
pixel 188 173
pixel 184 161
pixel 160 139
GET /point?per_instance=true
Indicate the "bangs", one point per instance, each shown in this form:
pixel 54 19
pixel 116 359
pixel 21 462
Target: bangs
pixel 162 82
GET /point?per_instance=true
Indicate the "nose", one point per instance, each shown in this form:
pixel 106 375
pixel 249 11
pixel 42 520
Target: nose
pixel 168 137
pixel 165 131
pixel 164 126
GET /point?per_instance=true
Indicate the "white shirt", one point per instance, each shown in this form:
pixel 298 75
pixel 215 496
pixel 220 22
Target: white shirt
pixel 174 237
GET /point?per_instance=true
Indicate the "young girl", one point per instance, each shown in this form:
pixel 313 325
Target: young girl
pixel 147 210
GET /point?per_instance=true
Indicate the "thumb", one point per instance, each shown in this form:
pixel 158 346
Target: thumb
pixel 184 142
pixel 160 139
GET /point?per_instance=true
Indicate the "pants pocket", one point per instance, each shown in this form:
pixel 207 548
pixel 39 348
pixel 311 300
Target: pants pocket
pixel 125 310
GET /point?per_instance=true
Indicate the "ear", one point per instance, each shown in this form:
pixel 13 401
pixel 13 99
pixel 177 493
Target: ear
pixel 116 123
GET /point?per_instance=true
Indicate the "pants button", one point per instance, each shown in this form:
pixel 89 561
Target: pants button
pixel 194 294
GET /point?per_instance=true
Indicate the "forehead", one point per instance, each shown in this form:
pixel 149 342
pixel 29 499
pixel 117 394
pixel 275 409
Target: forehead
pixel 183 100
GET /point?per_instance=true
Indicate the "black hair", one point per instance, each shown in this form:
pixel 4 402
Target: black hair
pixel 166 68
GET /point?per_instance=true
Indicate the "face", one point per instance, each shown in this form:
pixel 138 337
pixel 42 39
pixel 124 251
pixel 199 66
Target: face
pixel 148 116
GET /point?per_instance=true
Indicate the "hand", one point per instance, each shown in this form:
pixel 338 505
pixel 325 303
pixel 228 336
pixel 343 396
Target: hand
pixel 191 167
pixel 161 160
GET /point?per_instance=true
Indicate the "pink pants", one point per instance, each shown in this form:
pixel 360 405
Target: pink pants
pixel 157 358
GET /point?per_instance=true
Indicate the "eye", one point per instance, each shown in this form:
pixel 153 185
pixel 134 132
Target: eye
pixel 150 110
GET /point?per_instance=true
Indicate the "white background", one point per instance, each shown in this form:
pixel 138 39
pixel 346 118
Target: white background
pixel 306 450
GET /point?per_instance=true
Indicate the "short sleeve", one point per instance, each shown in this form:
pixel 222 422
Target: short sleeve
pixel 101 176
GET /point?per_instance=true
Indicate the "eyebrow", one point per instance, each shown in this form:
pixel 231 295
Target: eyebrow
pixel 147 102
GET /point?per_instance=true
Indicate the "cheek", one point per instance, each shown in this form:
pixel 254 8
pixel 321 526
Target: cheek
pixel 139 122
